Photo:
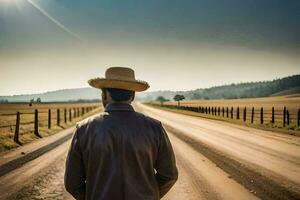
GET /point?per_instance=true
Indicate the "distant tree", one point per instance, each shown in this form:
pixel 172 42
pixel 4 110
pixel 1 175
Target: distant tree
pixel 4 101
pixel 39 100
pixel 31 102
pixel 161 99
pixel 178 98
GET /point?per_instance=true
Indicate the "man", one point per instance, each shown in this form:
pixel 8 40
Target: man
pixel 122 154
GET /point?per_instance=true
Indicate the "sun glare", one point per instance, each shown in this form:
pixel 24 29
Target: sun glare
pixel 7 1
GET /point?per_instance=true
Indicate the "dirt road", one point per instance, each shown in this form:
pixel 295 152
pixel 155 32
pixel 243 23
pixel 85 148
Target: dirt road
pixel 216 160
pixel 263 163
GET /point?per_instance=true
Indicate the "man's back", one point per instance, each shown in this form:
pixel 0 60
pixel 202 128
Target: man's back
pixel 113 157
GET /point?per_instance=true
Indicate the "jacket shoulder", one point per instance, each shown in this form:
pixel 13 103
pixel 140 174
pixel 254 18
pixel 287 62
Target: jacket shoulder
pixel 150 120
pixel 89 122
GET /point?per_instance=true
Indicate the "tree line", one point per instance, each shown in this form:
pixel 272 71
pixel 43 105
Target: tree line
pixel 245 90
pixel 249 90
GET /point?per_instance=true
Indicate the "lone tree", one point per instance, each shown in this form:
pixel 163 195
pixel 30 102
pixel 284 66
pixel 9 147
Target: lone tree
pixel 161 99
pixel 31 102
pixel 178 98
pixel 39 100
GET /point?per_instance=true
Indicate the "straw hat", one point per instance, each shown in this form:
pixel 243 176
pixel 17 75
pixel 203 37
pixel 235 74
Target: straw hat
pixel 121 78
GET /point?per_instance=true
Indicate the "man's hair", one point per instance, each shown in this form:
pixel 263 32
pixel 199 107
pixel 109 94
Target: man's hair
pixel 120 94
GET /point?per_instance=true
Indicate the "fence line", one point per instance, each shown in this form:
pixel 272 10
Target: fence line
pixel 36 122
pixel 254 115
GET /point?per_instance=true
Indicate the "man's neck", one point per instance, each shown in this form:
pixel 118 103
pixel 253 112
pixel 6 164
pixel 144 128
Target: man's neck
pixel 128 102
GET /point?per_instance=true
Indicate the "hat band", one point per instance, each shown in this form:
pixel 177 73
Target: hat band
pixel 121 78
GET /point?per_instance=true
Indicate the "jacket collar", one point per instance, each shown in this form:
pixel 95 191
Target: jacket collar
pixel 118 107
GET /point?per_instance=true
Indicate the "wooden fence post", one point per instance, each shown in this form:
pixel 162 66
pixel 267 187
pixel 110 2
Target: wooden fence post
pixel 245 113
pixel 227 112
pixel 262 115
pixel 65 115
pixel 218 111
pixel 287 117
pixel 223 111
pixel 298 123
pixel 252 115
pixel 70 114
pixel 16 136
pixel 273 115
pixel 74 114
pixel 36 123
pixel 238 113
pixel 231 113
pixel 284 115
pixel 208 110
pixel 49 118
pixel 58 117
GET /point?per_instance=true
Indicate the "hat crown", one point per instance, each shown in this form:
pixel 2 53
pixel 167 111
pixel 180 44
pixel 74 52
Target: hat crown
pixel 121 73
pixel 121 78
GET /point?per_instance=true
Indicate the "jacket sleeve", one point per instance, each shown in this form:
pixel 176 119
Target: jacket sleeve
pixel 166 170
pixel 74 173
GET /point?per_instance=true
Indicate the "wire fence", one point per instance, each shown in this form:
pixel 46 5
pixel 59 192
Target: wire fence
pixel 258 115
pixel 41 118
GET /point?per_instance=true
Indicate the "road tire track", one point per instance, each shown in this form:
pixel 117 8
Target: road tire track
pixel 14 164
pixel 263 187
pixel 47 184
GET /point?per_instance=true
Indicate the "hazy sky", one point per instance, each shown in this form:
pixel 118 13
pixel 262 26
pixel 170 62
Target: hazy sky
pixel 176 45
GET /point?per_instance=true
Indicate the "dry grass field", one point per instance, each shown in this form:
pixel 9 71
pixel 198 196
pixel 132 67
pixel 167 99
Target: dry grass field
pixel 292 104
pixel 8 120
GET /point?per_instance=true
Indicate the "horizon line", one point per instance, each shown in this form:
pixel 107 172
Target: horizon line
pixel 163 90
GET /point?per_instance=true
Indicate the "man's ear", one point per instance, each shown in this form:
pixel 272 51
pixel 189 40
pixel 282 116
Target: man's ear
pixel 133 96
pixel 104 94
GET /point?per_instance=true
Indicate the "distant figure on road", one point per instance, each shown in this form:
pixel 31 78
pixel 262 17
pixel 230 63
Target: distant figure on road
pixel 122 154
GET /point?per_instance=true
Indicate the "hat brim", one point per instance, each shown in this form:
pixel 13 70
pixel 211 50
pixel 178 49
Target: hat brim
pixel 137 85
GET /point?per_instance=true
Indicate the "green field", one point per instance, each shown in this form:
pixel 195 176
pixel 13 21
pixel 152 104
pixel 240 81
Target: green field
pixel 74 113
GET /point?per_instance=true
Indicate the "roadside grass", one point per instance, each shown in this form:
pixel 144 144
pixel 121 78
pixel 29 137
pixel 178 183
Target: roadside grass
pixel 291 129
pixel 27 130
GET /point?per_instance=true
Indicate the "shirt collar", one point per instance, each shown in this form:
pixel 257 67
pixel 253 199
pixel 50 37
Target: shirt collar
pixel 118 107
